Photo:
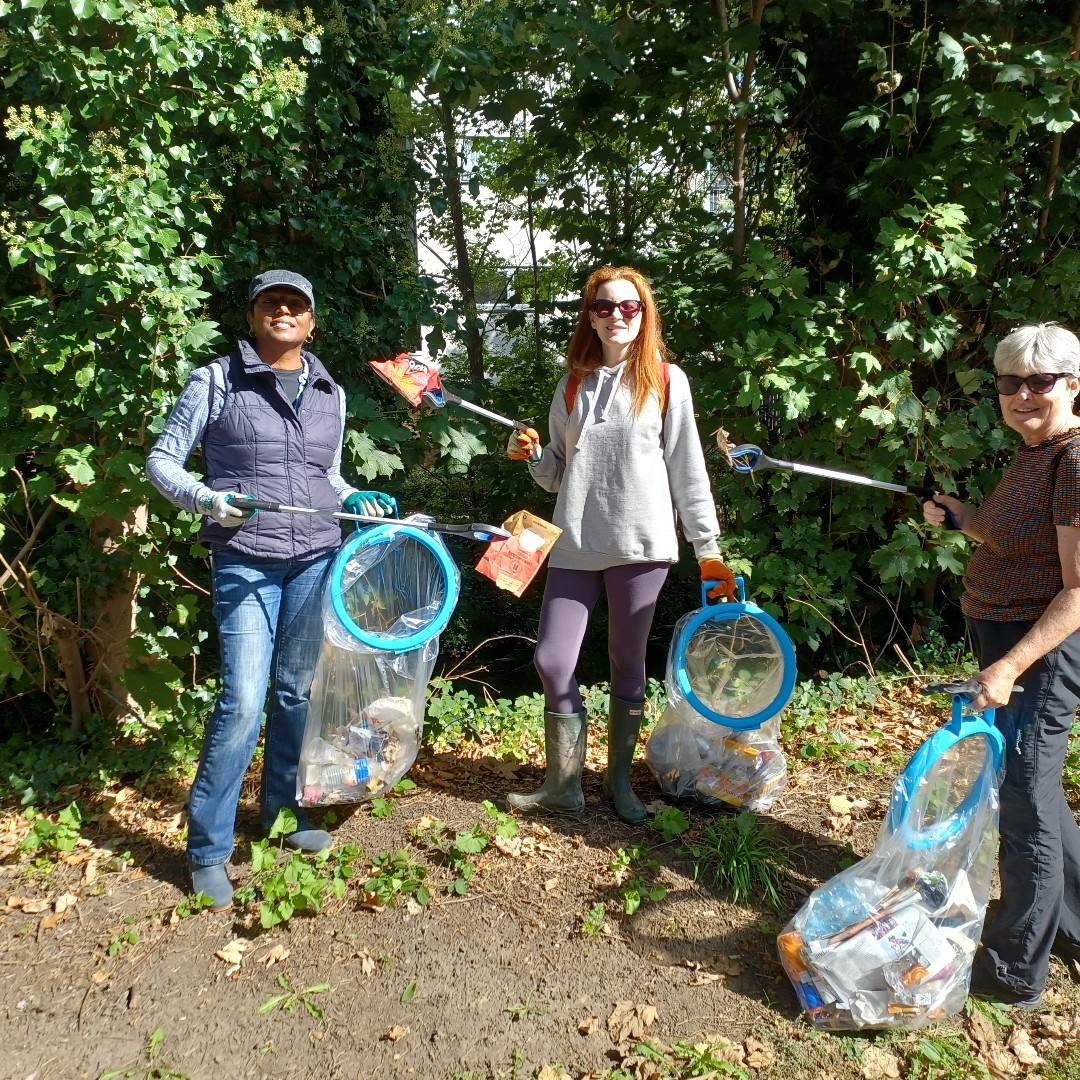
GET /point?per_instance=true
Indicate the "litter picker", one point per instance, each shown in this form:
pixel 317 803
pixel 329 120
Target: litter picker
pixel 419 380
pixel 748 458
pixel 475 531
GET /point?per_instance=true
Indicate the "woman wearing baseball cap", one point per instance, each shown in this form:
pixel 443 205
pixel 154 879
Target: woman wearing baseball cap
pixel 271 421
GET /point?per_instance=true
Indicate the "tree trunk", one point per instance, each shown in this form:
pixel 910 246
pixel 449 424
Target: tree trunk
pixel 114 611
pixel 474 340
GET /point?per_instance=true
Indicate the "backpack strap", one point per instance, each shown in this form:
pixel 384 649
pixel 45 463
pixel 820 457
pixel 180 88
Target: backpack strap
pixel 572 386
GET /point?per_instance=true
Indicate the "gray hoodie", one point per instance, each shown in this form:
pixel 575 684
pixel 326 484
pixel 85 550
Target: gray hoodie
pixel 621 479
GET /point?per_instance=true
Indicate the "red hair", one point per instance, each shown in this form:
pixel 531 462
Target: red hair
pixel 645 353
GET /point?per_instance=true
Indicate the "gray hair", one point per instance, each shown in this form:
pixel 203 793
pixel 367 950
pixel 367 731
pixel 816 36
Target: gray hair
pixel 1041 347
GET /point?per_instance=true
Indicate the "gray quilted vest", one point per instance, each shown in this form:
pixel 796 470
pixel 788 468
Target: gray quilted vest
pixel 260 445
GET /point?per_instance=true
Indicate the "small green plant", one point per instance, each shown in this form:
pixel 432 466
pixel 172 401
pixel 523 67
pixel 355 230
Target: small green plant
pixel 292 998
pixel 635 872
pixel 61 835
pixel 151 1072
pixel 129 936
pixel 192 905
pixel 397 875
pixel 458 851
pixel 945 1055
pixel 740 854
pixel 505 824
pixel 705 1059
pixel 384 806
pixel 287 882
pixel 524 1009
pixel 670 822
pixel 592 922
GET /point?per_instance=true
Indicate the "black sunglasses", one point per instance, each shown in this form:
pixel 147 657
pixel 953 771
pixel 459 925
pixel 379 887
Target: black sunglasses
pixel 1039 382
pixel 628 308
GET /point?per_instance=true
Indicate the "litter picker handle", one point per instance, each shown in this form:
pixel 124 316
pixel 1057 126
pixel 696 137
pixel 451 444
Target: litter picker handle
pixel 474 531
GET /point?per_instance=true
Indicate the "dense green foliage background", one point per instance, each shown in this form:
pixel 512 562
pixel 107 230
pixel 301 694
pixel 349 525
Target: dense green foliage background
pixel 842 206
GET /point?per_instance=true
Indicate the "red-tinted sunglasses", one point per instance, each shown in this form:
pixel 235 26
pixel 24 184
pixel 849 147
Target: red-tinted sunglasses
pixel 629 309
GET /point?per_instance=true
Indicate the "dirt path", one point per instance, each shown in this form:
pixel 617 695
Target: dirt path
pixel 499 982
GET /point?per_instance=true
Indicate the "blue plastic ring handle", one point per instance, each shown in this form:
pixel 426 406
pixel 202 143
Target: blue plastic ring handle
pixel 923 760
pixel 730 612
pixel 383 534
pixel 362 525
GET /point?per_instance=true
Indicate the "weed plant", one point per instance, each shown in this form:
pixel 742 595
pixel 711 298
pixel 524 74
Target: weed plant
pixel 286 882
pixel 741 854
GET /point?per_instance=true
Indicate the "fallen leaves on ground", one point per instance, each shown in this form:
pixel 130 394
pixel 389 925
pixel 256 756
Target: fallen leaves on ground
pixel 629 1021
pixel 879 1064
pixel 277 955
pixel 395 1033
pixel 233 953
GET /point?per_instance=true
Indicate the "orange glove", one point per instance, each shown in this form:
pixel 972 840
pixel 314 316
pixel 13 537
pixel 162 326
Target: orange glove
pixel 712 569
pixel 524 446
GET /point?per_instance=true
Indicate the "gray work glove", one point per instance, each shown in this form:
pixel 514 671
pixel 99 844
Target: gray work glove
pixel 219 505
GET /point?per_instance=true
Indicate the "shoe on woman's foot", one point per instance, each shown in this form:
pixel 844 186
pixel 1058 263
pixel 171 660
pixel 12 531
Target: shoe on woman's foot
pixel 214 882
pixel 310 839
pixel 985 986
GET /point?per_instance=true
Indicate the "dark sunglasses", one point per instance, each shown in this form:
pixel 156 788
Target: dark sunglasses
pixel 294 303
pixel 1041 382
pixel 629 309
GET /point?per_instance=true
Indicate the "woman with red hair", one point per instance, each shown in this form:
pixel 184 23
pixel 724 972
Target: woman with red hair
pixel 625 460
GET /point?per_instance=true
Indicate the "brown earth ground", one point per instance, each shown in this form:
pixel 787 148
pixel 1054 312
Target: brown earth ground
pixel 500 982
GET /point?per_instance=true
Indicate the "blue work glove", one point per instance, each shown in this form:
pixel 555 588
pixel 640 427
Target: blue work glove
pixel 225 508
pixel 369 503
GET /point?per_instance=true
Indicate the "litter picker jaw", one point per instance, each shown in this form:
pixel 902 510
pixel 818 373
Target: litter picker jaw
pixel 475 531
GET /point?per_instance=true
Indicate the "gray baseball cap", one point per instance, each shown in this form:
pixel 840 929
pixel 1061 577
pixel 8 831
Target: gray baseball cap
pixel 281 279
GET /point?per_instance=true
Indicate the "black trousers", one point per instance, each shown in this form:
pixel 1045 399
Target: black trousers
pixel 1039 854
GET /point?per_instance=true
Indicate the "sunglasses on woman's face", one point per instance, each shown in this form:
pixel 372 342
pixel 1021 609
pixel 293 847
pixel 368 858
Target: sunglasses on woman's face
pixel 629 309
pixel 1041 382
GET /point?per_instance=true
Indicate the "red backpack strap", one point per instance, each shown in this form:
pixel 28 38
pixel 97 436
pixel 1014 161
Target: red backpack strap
pixel 572 384
pixel 570 392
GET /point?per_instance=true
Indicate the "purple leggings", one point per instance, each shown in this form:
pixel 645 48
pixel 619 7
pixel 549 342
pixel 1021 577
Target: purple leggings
pixel 569 598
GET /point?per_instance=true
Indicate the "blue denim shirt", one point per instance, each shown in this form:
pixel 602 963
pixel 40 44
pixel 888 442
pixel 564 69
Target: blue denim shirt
pixel 183 431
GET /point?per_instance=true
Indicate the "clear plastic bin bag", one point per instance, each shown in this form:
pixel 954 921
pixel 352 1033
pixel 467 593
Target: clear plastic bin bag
pixel 693 758
pixel 364 724
pixel 389 593
pixel 889 942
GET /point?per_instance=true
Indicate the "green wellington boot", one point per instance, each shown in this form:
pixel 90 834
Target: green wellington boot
pixel 564 745
pixel 624 724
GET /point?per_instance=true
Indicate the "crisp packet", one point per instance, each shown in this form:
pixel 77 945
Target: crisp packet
pixel 513 563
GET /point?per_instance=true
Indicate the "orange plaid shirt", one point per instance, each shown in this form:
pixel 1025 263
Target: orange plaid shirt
pixel 1016 571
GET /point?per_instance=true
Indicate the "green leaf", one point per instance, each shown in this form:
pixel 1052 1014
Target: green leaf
pixel 409 992
pixel 951 56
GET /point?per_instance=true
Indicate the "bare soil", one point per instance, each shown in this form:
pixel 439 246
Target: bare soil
pixel 499 982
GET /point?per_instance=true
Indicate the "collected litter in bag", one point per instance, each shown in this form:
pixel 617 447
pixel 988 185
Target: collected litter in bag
pixel 730 671
pixel 693 758
pixel 390 591
pixel 889 941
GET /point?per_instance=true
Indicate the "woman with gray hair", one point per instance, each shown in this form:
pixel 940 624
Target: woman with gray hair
pixel 1021 602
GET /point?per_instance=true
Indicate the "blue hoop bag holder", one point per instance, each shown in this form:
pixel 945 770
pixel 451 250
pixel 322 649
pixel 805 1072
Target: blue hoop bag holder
pixel 731 670
pixel 889 942
pixel 390 592
pixel 723 690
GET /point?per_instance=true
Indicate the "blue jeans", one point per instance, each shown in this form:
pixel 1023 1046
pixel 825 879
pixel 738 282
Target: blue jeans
pixel 269 616
pixel 1039 857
